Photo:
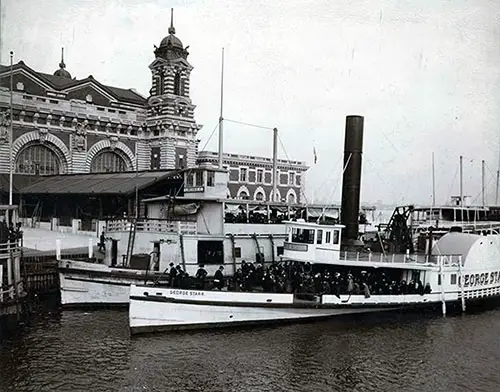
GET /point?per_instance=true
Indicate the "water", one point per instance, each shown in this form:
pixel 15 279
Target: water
pixel 93 351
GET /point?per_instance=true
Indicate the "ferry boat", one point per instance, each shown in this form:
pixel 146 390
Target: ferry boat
pixel 461 267
pixel 200 227
pixel 458 267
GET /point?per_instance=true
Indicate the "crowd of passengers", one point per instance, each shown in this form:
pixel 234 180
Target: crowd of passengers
pixel 256 217
pixel 296 277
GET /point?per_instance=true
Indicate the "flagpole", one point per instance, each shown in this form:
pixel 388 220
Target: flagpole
pixel 10 130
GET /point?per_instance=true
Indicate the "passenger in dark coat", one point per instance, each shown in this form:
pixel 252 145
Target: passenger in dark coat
pixel 172 275
pixel 200 276
pixel 102 243
pixel 219 278
pixel 178 277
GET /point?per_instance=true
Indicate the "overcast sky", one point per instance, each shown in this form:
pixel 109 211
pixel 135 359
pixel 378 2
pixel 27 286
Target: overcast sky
pixel 425 74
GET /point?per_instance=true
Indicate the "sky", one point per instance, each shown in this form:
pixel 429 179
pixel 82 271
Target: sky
pixel 425 75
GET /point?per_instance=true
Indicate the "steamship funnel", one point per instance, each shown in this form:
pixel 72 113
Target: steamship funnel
pixel 353 149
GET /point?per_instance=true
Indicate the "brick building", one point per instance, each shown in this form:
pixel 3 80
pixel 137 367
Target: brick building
pixel 250 177
pixel 65 125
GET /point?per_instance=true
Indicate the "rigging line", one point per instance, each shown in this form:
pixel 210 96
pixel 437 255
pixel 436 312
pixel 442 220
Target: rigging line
pixel 248 124
pixel 389 141
pixel 452 182
pixel 334 189
pixel 485 188
pixel 343 171
pixel 191 169
pixel 391 194
pixel 331 175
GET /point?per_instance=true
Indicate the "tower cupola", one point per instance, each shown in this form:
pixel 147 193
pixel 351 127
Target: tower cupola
pixel 171 47
pixel 61 72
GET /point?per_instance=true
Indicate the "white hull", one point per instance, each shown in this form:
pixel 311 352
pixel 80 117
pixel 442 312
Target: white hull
pixel 89 284
pixel 172 309
pixel 154 309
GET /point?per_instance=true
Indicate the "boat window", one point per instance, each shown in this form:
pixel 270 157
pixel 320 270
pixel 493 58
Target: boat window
pixel 328 237
pixel 199 179
pixel 319 239
pixel 190 179
pixel 335 237
pixel 210 178
pixel 303 236
pixel 439 280
pixel 453 278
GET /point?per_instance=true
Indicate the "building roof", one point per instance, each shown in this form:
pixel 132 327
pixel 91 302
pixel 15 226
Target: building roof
pixel 19 181
pixel 97 183
pixel 61 83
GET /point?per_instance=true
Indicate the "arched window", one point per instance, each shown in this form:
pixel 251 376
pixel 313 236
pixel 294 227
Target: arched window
pixel 259 196
pixel 243 195
pixel 37 159
pixel 108 161
pixel 291 198
pixel 177 84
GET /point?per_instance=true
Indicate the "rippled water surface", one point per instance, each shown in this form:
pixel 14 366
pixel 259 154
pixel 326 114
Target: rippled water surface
pixel 93 351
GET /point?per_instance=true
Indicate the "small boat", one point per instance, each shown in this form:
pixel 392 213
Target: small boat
pixel 461 267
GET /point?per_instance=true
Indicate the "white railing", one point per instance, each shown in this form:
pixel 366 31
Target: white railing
pixel 371 257
pixel 153 226
pixel 448 260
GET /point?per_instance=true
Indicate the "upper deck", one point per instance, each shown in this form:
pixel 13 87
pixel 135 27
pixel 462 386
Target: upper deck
pixel 321 244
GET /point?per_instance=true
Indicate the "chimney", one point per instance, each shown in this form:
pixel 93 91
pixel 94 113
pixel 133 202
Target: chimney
pixel 353 149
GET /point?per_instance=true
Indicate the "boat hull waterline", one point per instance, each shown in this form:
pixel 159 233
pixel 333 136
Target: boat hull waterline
pixel 154 309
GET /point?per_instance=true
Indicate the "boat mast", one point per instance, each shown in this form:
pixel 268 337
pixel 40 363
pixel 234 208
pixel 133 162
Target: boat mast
pixel 461 183
pixel 275 163
pixel 433 183
pixel 482 182
pixel 221 129
pixel 10 126
pixel 496 193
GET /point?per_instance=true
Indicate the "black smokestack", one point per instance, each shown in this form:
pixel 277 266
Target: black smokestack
pixel 353 149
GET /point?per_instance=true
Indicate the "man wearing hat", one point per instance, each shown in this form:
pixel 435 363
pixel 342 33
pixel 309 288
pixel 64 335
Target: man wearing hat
pixel 219 278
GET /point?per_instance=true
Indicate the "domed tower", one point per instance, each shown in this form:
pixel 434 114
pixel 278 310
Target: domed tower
pixel 170 119
pixel 61 72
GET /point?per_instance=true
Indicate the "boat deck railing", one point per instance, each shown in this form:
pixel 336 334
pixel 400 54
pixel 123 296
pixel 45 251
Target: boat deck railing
pixel 152 226
pixel 446 224
pixel 447 260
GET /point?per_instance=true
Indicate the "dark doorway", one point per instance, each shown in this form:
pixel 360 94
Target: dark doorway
pixel 114 252
pixel 210 252
pixel 155 265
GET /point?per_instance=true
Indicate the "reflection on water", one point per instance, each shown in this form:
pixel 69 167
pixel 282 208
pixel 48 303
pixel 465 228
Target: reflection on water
pixel 82 351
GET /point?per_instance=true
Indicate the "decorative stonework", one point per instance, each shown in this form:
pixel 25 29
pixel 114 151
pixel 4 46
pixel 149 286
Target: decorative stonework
pixel 113 142
pixel 118 146
pixel 42 135
pixel 4 126
pixel 80 137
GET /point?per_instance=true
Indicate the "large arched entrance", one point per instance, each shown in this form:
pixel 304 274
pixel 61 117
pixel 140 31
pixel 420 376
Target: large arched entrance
pixel 38 159
pixel 109 161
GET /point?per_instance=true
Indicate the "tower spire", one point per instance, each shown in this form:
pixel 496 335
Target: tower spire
pixel 61 64
pixel 171 29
